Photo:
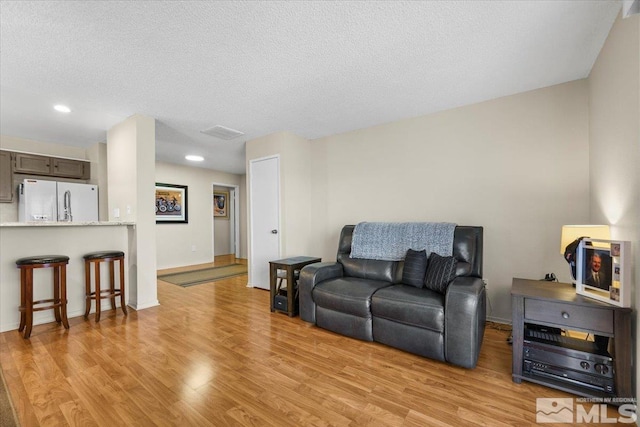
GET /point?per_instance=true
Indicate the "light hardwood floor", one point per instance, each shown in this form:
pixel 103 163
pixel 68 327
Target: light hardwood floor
pixel 215 355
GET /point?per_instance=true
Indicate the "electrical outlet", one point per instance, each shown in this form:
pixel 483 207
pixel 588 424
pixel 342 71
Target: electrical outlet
pixel 193 248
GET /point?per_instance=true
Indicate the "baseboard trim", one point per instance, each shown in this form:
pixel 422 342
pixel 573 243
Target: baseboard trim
pixel 498 320
pixel 139 307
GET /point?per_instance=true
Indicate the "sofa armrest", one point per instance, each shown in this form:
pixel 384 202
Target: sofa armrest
pixel 310 276
pixel 465 316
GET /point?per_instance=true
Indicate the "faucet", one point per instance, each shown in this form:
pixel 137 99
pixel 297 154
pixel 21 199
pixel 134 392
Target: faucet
pixel 67 206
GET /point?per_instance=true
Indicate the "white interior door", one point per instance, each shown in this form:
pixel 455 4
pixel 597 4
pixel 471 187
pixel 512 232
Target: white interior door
pixel 264 181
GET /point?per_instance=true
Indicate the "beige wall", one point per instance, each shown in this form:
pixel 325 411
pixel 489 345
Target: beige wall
pixel 295 183
pixel 614 128
pixel 97 153
pixel 518 166
pixel 131 190
pixel 122 171
pixel 175 241
pixel 45 148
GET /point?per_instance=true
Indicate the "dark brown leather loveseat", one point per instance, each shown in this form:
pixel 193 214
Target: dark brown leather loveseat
pixel 366 299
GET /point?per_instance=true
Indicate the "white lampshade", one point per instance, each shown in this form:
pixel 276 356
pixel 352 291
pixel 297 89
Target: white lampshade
pixel 572 232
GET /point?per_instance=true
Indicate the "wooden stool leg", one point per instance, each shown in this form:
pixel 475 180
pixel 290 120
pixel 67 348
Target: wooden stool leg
pixel 97 278
pixel 28 302
pixel 87 288
pixel 23 305
pixel 123 305
pixel 56 293
pixel 112 287
pixel 63 294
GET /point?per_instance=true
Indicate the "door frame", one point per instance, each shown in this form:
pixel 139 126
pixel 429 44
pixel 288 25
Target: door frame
pixel 236 219
pixel 250 213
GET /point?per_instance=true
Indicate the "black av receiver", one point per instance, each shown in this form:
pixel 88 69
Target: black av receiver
pixel 566 359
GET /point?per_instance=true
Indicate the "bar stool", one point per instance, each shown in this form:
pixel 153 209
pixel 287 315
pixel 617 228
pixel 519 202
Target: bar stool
pixel 59 300
pixel 97 258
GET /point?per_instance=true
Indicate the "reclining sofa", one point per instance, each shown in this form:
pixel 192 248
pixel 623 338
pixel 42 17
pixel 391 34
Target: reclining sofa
pixel 367 299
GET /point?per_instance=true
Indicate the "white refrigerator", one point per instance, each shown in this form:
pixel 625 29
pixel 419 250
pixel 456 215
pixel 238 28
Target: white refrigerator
pixel 41 200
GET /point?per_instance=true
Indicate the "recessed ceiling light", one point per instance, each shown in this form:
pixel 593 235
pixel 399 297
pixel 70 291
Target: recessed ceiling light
pixel 62 108
pixel 194 158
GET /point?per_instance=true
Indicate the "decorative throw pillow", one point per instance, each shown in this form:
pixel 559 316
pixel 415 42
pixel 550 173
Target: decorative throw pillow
pixel 441 271
pixel 415 267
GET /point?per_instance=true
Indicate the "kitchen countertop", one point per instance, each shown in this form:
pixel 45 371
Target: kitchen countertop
pixel 64 224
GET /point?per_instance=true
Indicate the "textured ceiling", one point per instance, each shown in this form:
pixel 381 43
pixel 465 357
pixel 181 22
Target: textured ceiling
pixel 313 68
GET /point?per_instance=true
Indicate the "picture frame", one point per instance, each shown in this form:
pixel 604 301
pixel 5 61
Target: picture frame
pixel 220 204
pixel 171 204
pixel 603 271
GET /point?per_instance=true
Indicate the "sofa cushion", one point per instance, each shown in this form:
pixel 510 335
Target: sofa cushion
pixel 409 305
pixel 349 295
pixel 415 268
pixel 370 269
pixel 440 272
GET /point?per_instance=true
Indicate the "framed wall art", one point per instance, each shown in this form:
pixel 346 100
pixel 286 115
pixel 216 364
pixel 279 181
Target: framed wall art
pixel 171 204
pixel 221 204
pixel 603 271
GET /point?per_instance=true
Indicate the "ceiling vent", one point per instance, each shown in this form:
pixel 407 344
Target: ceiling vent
pixel 222 132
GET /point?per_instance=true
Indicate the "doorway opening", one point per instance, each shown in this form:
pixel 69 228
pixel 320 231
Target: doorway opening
pixel 225 211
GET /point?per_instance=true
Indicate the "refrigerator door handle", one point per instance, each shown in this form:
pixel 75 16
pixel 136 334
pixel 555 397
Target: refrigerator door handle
pixel 67 206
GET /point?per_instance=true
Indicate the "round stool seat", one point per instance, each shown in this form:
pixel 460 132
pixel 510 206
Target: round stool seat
pixel 104 254
pixel 42 259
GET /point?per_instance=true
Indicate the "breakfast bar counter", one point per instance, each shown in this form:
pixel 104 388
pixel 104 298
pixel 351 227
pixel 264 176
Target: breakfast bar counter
pixel 73 239
pixel 62 224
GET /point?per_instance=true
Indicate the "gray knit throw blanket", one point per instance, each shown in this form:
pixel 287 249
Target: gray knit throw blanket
pixel 389 241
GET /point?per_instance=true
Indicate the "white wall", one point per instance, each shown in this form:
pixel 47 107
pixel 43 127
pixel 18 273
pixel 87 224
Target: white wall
pixel 175 241
pixel 614 126
pixel 518 166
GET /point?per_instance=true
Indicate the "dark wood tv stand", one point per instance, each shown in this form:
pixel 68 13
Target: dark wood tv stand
pixel 557 305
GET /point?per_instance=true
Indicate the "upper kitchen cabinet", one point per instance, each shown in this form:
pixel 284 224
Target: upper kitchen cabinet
pixel 6 174
pixel 33 164
pixel 71 168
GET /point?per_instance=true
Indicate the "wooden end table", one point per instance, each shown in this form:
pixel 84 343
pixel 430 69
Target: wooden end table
pixel 557 305
pixel 290 266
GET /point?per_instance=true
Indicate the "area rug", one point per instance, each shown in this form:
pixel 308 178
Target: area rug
pixel 7 413
pixel 196 277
